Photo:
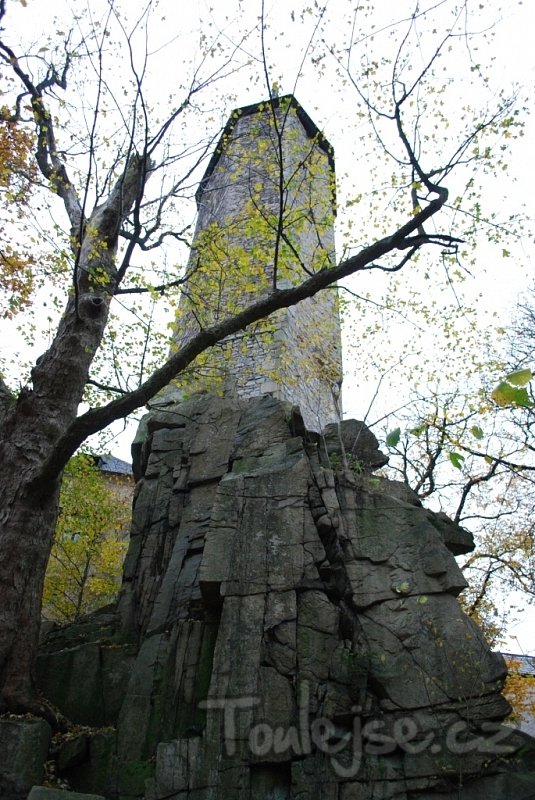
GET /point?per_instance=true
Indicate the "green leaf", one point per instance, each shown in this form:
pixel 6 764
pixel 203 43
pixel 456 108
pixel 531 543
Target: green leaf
pixel 418 431
pixel 520 377
pixel 457 460
pixel 476 431
pixel 507 395
pixel 393 437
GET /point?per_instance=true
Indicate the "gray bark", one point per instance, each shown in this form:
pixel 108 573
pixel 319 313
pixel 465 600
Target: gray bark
pixel 31 428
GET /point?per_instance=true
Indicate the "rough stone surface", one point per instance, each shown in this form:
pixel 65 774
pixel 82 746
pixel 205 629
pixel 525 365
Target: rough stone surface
pixel 24 746
pixel 298 630
pixel 352 440
pixel 99 772
pixel 46 793
pixel 295 354
pixel 89 649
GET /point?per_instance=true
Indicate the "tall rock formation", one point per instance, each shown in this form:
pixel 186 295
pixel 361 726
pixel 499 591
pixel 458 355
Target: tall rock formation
pixel 304 620
pixel 288 626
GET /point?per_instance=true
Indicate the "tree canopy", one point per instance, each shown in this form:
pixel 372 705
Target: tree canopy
pixel 89 542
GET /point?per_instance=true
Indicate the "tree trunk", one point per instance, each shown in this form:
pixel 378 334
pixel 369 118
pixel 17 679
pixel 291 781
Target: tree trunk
pixel 29 505
pixel 29 502
pixel 30 429
pixel 81 590
pixel 27 521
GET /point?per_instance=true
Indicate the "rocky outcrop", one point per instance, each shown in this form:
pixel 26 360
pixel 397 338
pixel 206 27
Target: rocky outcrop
pixel 288 628
pixel 24 744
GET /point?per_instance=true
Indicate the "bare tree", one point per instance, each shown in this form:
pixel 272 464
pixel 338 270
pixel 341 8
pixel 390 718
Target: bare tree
pixel 472 461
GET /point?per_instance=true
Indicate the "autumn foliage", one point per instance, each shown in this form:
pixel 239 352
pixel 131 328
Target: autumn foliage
pixel 89 544
pixel 17 175
pixel 520 691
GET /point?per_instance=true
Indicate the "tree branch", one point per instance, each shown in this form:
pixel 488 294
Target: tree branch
pixel 47 156
pixel 97 419
pixel 105 387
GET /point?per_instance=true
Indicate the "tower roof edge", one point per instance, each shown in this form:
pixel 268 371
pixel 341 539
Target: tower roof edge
pixel 310 127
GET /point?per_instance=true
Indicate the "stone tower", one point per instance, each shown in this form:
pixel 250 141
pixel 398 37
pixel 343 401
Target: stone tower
pixel 266 208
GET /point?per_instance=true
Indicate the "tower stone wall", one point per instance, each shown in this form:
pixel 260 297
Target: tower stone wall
pixel 266 208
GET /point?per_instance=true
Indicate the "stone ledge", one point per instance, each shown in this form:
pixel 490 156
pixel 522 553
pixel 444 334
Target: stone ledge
pixel 47 793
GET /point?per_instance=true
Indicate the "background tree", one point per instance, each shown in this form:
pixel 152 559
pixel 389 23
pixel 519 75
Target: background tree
pixel 467 449
pixel 520 691
pixel 99 175
pixel 89 543
pixel 17 173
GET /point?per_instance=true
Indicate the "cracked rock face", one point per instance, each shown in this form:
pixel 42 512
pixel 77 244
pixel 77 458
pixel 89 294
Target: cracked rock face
pixel 298 631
